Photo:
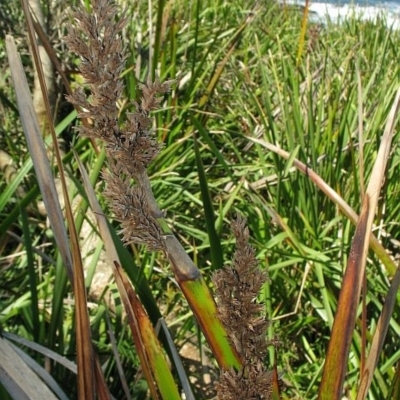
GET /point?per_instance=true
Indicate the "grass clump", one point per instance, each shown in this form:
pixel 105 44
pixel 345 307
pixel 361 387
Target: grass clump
pixel 249 120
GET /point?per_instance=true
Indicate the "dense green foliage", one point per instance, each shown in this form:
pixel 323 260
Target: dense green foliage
pixel 238 77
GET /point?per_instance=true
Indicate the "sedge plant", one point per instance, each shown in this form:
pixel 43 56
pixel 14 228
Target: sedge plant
pixel 272 118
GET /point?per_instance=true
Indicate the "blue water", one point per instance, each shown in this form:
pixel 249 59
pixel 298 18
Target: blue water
pixel 338 10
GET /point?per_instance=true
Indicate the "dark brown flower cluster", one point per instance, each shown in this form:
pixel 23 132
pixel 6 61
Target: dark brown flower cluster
pixel 130 206
pixel 96 39
pixel 237 287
